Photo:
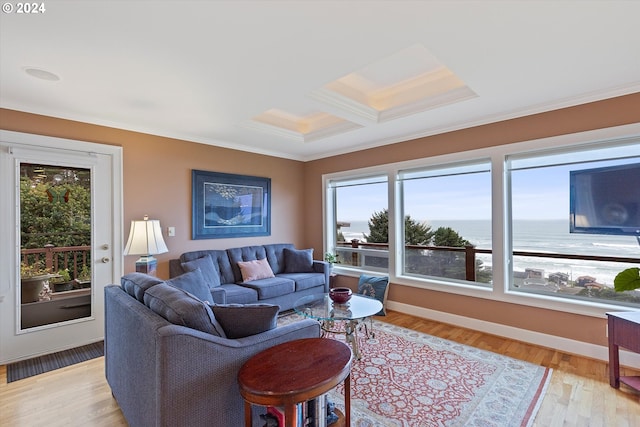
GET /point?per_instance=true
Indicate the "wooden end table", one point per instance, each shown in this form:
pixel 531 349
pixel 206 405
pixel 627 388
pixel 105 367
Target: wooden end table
pixel 294 372
pixel 624 331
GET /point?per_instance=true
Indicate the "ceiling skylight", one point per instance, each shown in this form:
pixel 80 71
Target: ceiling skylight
pixel 305 128
pixel 405 83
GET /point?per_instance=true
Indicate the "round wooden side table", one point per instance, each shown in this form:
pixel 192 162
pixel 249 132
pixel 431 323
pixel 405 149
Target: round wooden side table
pixel 294 372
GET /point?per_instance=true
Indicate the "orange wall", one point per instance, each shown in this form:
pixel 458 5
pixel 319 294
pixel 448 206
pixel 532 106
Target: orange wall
pixel 157 181
pixel 165 165
pixel 613 112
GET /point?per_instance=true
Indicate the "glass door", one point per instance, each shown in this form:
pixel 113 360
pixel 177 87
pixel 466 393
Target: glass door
pixel 61 227
pixel 55 244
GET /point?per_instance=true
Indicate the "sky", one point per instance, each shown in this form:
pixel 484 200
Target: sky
pixel 538 194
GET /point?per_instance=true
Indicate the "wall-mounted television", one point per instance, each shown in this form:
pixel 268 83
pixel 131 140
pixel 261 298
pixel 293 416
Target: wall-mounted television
pixel 606 200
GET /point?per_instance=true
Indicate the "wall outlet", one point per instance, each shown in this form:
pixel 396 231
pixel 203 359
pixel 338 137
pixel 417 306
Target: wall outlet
pixel 171 231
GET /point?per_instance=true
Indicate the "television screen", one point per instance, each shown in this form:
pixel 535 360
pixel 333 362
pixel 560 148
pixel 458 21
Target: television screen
pixel 606 200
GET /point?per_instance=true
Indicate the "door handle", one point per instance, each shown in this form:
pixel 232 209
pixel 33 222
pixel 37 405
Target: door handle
pixel 105 259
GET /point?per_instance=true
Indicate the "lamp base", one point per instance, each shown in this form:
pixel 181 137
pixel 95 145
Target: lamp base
pixel 147 264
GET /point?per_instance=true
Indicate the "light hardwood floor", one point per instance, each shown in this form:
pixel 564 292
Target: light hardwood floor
pixel 578 395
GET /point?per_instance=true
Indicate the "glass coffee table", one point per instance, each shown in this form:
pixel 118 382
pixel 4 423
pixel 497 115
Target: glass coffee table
pixel 340 318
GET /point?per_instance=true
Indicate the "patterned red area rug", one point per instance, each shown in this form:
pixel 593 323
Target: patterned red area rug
pixel 407 378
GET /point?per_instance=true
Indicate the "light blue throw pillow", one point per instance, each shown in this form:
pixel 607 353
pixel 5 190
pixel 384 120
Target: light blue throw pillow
pixel 375 287
pixel 193 282
pixel 206 265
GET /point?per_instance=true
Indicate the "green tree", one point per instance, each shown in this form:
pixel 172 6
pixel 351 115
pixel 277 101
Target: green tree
pixel 446 236
pixel 378 227
pixel 61 216
pixel 453 263
pixel 415 233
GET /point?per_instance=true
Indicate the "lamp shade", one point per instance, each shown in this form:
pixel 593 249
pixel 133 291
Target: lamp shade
pixel 145 238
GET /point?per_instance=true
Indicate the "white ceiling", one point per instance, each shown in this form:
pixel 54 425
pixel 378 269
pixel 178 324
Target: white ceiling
pixel 202 70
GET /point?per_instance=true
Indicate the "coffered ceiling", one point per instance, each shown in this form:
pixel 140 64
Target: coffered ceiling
pixel 310 79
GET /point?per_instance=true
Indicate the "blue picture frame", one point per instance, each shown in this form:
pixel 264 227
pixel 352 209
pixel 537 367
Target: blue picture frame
pixel 228 205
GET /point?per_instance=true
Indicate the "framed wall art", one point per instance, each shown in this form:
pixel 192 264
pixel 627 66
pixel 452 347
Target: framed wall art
pixel 227 205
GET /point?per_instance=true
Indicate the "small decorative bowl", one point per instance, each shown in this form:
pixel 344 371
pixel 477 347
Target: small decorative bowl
pixel 340 295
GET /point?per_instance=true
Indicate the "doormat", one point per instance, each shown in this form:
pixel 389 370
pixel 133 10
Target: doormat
pixel 49 362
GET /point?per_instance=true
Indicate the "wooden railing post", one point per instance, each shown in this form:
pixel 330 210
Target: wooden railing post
pixel 470 262
pixel 354 255
pixel 48 256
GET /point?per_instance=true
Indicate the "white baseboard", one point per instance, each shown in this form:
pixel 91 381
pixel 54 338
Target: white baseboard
pixel 566 345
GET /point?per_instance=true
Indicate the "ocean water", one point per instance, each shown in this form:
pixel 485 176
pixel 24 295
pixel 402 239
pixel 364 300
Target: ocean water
pixel 545 236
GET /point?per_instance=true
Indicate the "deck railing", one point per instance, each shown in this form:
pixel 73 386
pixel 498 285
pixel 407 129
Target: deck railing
pixel 54 259
pixel 355 253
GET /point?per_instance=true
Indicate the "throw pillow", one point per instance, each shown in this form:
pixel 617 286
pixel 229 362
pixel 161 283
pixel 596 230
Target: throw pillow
pixel 298 260
pixel 374 287
pixel 181 308
pixel 238 320
pixel 209 271
pixel 254 270
pixel 193 282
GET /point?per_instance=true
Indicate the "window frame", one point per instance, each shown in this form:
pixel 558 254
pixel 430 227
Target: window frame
pixel 330 216
pixel 477 165
pixel 500 217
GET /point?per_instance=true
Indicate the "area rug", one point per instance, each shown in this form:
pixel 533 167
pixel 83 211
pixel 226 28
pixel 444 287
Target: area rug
pixel 410 379
pixel 41 364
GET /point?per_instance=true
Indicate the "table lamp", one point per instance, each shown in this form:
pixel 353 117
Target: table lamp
pixel 145 239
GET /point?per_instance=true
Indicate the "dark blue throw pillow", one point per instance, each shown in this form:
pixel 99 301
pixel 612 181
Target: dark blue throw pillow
pixel 374 287
pixel 243 320
pixel 298 260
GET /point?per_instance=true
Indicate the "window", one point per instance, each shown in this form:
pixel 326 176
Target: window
pixel 358 229
pixel 547 258
pixel 518 223
pixel 445 208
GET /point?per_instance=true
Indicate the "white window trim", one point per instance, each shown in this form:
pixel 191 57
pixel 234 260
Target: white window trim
pixel 500 241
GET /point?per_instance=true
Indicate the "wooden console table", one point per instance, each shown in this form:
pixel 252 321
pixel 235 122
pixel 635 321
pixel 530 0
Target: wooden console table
pixel 294 372
pixel 624 331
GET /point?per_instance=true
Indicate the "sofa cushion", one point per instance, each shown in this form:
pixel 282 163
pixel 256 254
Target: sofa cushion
pixel 181 308
pixel 305 280
pixel 194 283
pixel 255 270
pixel 271 287
pixel 209 270
pixel 136 284
pixel 240 320
pixel 298 260
pixel 239 294
pixel 374 287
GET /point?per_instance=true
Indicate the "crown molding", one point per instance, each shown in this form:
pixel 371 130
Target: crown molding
pixel 450 97
pixel 346 107
pixel 322 133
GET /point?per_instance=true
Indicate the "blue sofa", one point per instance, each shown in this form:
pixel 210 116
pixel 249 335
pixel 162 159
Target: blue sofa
pixel 166 360
pixel 295 272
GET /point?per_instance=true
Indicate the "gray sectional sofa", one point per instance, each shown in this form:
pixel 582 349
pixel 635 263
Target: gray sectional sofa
pixel 168 358
pixel 295 274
